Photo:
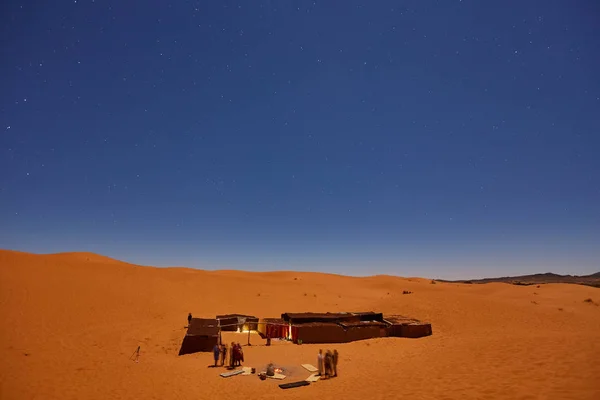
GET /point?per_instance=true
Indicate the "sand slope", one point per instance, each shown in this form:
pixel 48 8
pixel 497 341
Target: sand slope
pixel 71 321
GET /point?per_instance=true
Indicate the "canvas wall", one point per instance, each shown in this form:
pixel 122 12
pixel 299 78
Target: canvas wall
pixel 321 333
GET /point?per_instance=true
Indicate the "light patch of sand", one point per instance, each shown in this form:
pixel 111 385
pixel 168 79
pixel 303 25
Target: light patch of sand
pixel 71 321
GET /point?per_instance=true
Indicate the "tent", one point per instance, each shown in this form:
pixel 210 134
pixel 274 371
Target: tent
pixel 400 326
pixel 364 330
pixel 233 322
pixel 274 328
pixel 319 332
pixel 202 335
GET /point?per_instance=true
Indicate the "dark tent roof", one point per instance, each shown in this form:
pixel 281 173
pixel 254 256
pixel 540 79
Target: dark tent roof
pixel 227 316
pixel 369 316
pixel 315 316
pixel 320 324
pixel 399 319
pixel 203 327
pixel 272 320
pixel 326 317
pixel 365 313
pixel 360 324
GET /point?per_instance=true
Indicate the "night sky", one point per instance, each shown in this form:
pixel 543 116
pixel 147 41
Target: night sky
pixel 419 138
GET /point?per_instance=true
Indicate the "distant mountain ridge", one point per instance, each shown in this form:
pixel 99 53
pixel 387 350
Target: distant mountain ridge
pixel 547 277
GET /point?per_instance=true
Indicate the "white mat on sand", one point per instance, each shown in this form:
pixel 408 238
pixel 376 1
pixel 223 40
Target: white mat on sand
pixel 309 367
pixel 230 374
pixel 247 371
pixel 276 376
pixel 312 378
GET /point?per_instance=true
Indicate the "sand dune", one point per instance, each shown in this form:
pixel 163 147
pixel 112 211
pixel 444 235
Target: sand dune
pixel 71 321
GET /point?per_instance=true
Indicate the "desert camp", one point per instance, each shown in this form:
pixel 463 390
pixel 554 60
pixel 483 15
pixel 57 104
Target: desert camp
pixel 303 328
pixel 330 328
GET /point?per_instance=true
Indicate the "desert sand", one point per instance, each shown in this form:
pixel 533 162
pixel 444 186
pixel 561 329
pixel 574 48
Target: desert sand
pixel 70 322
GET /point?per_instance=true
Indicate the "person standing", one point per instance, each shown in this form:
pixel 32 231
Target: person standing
pixel 223 354
pixel 335 361
pixel 240 354
pixel 320 362
pixel 236 355
pixel 328 357
pixel 232 356
pixel 216 353
pixel 189 319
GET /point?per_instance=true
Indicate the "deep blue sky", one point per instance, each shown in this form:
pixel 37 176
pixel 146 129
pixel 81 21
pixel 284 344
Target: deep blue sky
pixel 432 138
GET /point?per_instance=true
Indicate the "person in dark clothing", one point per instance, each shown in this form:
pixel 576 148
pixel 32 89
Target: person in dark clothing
pixel 189 318
pixel 335 362
pixel 232 355
pixel 216 353
pixel 223 354
pixel 240 354
pixel 328 362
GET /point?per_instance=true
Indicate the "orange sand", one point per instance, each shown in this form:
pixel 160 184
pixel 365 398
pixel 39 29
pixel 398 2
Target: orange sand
pixel 70 322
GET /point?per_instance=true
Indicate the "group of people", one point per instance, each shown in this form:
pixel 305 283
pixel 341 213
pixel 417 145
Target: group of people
pixel 233 354
pixel 328 363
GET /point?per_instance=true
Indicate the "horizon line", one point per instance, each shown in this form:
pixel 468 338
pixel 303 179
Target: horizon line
pixel 230 269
